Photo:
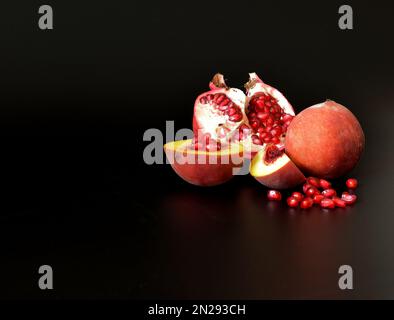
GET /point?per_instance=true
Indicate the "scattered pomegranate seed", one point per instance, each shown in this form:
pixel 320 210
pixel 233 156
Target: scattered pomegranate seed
pixel 297 195
pixel 292 202
pixel 306 203
pixel 351 183
pixel 274 195
pixel 349 198
pixel 305 187
pixel 325 184
pixel 329 193
pixel 327 203
pixel 311 191
pixel 314 182
pixel 339 202
pixel 318 198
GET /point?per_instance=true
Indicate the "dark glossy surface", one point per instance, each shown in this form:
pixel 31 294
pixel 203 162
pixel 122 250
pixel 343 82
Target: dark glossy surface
pixel 76 193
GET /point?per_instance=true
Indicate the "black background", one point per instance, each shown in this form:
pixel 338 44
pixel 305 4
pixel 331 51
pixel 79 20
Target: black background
pixel 76 194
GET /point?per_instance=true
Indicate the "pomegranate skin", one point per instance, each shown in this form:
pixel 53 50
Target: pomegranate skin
pixel 325 140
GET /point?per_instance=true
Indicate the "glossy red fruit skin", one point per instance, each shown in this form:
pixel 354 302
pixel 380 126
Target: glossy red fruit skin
pixel 318 198
pixel 339 202
pixel 292 202
pixel 274 195
pixel 325 140
pixel 329 193
pixel 306 203
pixel 327 203
pixel 325 184
pixel 312 191
pixel 298 195
pixel 351 183
pixel 349 198
pixel 314 182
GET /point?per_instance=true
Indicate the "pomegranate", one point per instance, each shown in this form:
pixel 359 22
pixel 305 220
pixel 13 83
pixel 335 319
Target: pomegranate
pixel 268 112
pixel 201 167
pixel 220 112
pixel 273 168
pixel 325 140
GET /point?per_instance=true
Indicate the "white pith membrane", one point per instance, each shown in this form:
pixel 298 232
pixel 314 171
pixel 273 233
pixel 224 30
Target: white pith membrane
pixel 259 168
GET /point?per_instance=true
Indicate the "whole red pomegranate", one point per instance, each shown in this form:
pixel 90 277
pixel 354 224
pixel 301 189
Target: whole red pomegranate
pixel 325 140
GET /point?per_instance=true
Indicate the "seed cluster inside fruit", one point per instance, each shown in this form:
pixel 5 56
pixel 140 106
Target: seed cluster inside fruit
pixel 267 119
pixel 319 192
pixel 272 153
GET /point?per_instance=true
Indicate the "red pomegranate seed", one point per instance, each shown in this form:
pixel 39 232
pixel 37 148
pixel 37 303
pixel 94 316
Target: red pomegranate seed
pixel 274 195
pixel 351 183
pixel 312 191
pixel 329 193
pixel 219 98
pixel 262 115
pixel 236 117
pixel 210 97
pixel 325 184
pixel 297 195
pixel 305 187
pixel 231 111
pixel 275 140
pixel 268 104
pixel 292 202
pixel 339 202
pixel 327 203
pixel 203 100
pixel 306 203
pixel 349 198
pixel 314 182
pixel 259 103
pixel 260 130
pixel 225 102
pixel 223 107
pixel 318 198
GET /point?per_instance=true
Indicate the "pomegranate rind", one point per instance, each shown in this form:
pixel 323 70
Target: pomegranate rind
pixel 325 140
pixel 194 166
pixel 281 174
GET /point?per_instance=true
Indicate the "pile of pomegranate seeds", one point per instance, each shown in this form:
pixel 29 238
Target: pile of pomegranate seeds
pixel 267 119
pixel 319 192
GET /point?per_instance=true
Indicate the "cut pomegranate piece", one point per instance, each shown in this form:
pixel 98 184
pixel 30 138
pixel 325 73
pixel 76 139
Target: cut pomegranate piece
pixel 205 166
pixel 268 111
pixel 220 112
pixel 274 169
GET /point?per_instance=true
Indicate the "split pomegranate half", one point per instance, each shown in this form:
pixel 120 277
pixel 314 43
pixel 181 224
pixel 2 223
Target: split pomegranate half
pixel 226 114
